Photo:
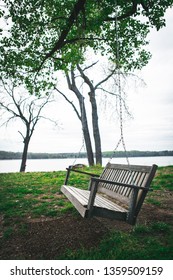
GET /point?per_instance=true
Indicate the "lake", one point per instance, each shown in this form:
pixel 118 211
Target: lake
pixel 61 164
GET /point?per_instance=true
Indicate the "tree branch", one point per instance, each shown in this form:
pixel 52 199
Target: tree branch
pixel 6 107
pixel 70 102
pixel 85 78
pixel 120 97
pixel 106 79
pixel 78 7
pixel 21 135
pixel 93 64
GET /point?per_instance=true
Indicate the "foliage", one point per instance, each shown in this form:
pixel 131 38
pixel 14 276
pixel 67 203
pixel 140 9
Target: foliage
pixel 40 37
pixel 4 155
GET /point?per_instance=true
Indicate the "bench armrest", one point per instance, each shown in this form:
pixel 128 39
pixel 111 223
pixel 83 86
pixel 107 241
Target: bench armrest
pixel 83 172
pixel 99 180
pixel 70 168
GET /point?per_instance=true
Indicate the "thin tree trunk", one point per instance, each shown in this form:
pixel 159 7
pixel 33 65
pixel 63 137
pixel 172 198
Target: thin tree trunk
pixel 24 154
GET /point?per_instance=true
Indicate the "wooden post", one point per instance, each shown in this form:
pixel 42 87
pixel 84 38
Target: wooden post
pixel 93 191
pixel 131 218
pixel 68 174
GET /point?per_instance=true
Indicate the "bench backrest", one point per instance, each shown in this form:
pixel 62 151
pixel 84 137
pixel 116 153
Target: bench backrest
pixel 136 175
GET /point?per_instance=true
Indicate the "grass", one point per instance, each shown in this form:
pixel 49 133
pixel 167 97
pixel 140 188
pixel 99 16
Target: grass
pixel 142 243
pixel 164 179
pixel 36 194
pixel 30 194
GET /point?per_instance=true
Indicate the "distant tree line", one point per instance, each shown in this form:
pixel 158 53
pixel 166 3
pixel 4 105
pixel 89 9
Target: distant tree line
pixel 4 155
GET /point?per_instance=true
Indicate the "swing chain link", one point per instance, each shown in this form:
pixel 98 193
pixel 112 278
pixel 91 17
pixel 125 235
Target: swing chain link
pixel 121 140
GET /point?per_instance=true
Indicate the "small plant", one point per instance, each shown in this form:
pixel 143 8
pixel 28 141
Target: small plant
pixel 153 201
pixel 160 227
pixel 8 232
pixel 141 229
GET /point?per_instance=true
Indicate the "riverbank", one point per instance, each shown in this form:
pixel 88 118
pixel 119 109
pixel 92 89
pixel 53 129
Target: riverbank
pixel 5 155
pixel 43 165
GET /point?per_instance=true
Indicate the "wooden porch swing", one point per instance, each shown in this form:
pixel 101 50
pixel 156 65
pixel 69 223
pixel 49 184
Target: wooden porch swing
pixel 119 192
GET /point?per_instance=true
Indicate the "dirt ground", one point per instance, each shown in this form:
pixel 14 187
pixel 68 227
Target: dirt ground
pixel 47 238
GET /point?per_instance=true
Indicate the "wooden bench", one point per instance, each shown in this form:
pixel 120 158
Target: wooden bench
pixel 118 193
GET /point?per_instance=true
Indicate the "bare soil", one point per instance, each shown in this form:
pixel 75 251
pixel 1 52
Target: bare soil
pixel 47 238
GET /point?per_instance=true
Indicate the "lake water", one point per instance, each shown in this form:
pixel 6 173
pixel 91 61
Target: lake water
pixel 61 164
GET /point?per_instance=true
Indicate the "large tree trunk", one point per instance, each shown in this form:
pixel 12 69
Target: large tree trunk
pixel 95 124
pixel 86 133
pixel 96 131
pixel 82 117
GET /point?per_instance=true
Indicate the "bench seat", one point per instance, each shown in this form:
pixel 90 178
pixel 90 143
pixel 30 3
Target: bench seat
pixel 102 205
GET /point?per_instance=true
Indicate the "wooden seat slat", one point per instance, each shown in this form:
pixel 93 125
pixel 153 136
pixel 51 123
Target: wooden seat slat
pixel 103 202
pixel 82 196
pixel 100 201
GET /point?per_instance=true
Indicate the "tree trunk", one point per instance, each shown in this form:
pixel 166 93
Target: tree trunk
pixel 95 124
pixel 24 154
pixel 86 133
pixel 96 131
pixel 82 117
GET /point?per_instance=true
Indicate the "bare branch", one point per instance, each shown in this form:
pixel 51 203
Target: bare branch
pixel 120 98
pixel 7 121
pixel 21 135
pixel 106 79
pixel 48 119
pixel 85 78
pixel 8 109
pixel 93 64
pixel 70 102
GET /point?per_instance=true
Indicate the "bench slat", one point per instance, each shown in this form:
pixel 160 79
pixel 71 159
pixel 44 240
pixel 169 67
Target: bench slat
pixel 83 196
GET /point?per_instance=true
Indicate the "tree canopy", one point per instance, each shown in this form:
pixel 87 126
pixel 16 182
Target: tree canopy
pixel 40 37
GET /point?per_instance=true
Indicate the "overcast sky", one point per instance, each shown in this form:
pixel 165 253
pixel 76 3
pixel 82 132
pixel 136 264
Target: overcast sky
pixel 151 107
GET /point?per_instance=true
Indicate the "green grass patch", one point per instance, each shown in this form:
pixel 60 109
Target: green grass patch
pixel 38 194
pixel 153 201
pixel 121 246
pixel 163 179
pixel 144 242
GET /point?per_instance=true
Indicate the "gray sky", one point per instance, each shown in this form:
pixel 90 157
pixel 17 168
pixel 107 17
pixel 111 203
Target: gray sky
pixel 151 106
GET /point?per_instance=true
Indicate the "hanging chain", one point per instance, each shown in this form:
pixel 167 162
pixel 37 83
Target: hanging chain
pixel 82 147
pixel 121 140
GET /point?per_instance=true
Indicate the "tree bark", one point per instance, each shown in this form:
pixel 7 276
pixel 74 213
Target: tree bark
pixel 95 123
pixel 82 117
pixel 96 130
pixel 86 134
pixel 24 154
